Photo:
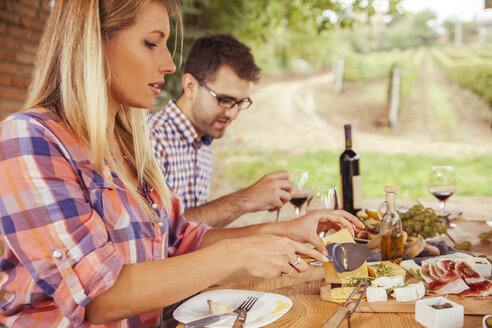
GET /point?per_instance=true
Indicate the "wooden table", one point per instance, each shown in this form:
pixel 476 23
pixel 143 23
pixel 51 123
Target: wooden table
pixel 310 311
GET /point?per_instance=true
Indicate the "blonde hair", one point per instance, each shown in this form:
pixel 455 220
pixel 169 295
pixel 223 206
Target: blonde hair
pixel 71 79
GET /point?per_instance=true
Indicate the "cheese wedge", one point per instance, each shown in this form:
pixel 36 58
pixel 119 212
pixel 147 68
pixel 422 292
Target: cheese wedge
pixel 331 276
pixel 396 269
pixel 376 294
pixel 409 293
pixel 388 282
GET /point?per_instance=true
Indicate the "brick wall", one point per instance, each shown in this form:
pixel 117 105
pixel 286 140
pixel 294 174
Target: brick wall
pixel 21 26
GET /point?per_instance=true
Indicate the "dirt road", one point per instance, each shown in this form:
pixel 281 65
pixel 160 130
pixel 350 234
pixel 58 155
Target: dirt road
pixel 306 114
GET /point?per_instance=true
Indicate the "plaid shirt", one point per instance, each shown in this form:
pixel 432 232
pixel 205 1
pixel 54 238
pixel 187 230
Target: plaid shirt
pixel 68 230
pixel 185 158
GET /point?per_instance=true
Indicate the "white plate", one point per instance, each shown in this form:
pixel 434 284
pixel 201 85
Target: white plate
pixel 266 310
pixel 485 319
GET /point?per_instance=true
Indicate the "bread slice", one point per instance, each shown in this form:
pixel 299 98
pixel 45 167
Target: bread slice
pixel 218 308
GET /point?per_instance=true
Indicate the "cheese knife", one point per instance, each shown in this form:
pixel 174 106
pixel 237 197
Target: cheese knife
pixel 347 256
pixel 206 321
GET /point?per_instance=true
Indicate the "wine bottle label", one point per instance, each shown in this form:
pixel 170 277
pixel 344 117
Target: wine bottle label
pixel 341 192
pixel 357 191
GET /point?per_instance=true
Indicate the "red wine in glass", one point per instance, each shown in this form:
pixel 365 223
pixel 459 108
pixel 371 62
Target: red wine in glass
pixel 442 184
pixel 301 189
pixel 442 195
pixel 298 200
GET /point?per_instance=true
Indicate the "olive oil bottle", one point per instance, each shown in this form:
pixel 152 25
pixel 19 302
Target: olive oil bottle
pixel 391 230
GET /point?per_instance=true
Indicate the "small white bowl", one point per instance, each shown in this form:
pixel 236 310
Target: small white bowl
pixel 429 317
pixel 485 319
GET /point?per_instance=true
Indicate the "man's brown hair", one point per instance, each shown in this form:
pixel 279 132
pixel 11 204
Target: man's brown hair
pixel 209 53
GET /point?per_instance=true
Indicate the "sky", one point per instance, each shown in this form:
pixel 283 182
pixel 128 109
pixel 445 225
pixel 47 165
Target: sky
pixel 464 10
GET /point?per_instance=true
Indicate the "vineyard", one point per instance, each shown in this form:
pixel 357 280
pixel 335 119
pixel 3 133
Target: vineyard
pixel 471 69
pixel 445 117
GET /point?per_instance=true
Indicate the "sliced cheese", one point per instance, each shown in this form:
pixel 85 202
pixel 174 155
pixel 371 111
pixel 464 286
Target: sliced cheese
pixel 376 294
pixel 409 293
pixel 341 294
pixel 397 270
pixel 388 282
pixel 331 276
pixel 405 294
pixel 420 289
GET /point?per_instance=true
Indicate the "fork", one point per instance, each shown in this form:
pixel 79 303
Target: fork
pixel 242 311
pixel 246 305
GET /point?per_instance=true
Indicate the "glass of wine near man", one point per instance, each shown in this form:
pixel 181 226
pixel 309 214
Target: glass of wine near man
pixel 301 190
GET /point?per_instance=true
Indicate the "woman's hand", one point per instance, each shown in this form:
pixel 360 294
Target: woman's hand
pixel 269 256
pixel 306 228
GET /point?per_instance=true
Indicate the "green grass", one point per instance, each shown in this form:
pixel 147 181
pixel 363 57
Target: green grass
pixel 408 173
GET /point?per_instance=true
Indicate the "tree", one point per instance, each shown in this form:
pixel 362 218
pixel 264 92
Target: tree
pixel 279 32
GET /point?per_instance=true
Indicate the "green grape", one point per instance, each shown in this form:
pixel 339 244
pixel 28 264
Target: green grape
pixel 464 246
pixel 484 235
pixel 427 229
pixel 441 228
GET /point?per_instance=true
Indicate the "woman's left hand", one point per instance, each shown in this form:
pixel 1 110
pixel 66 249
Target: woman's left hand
pixel 306 228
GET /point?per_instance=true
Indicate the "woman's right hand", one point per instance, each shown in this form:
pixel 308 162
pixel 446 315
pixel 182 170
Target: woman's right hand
pixel 269 256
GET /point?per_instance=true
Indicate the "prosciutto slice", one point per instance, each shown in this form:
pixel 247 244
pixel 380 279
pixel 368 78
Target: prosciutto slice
pixel 456 286
pixel 468 273
pixel 425 273
pixel 482 288
pixel 455 277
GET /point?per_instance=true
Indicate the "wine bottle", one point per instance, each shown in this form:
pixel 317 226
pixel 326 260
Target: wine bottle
pixel 350 181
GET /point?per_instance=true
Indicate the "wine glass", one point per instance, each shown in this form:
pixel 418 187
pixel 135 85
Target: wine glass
pixel 323 197
pixel 301 190
pixel 442 184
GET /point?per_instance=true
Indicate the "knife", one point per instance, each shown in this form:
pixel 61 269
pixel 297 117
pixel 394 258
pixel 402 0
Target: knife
pixel 347 256
pixel 206 321
pixel 241 319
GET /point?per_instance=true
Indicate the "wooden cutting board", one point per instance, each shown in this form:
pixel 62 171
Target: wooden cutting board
pixel 472 305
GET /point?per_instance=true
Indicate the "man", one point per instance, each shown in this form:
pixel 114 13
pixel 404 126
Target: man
pixel 216 80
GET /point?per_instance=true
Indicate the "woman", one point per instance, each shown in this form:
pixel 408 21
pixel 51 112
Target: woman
pixel 92 233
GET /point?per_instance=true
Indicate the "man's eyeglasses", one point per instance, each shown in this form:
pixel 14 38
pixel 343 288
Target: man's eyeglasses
pixel 227 102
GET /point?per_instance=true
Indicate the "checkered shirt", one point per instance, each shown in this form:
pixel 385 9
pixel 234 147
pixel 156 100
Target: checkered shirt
pixel 185 158
pixel 68 230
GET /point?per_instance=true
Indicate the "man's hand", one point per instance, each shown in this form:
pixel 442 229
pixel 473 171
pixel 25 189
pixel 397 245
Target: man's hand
pixel 270 193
